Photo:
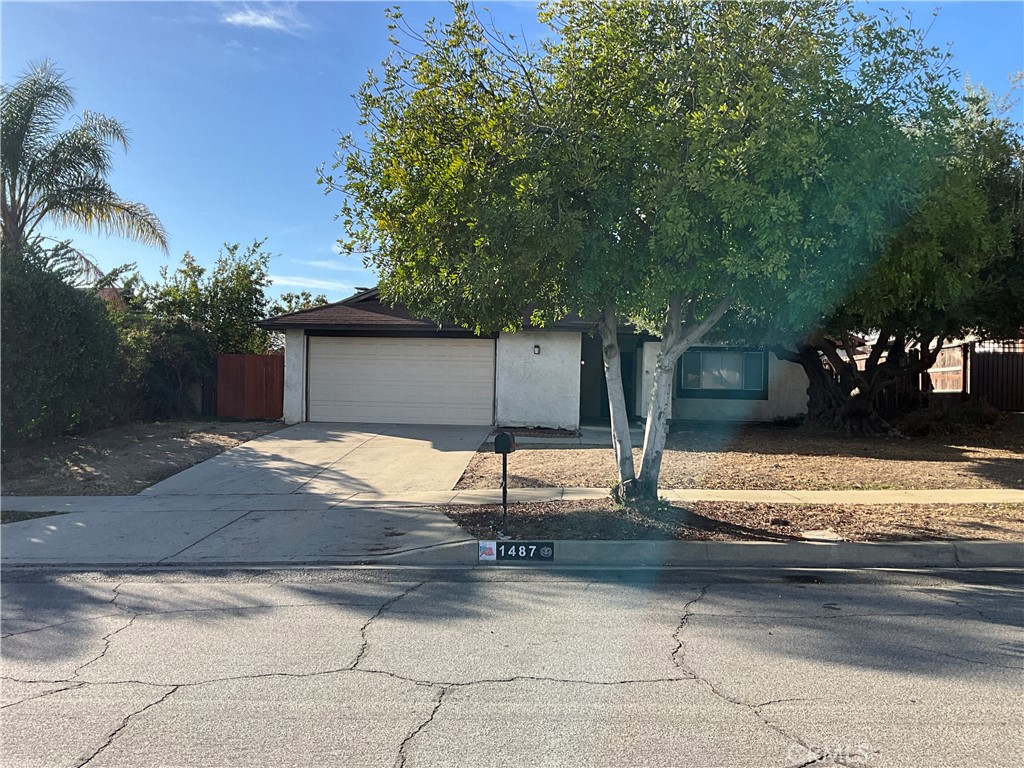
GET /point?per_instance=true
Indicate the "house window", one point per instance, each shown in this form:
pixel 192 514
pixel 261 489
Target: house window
pixel 728 374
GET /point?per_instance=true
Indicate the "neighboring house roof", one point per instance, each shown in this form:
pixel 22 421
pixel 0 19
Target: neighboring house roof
pixel 365 313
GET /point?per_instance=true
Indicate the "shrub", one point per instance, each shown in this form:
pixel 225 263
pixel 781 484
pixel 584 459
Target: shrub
pixel 949 417
pixel 162 359
pixel 59 350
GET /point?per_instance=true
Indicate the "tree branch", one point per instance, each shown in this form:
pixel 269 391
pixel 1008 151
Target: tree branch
pixel 692 334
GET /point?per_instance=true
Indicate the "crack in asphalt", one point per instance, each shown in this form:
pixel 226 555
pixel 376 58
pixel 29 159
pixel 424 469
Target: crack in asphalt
pixel 59 624
pixel 679 659
pixel 111 602
pixel 964 658
pixel 380 611
pixel 107 640
pixel 117 593
pixel 777 701
pixel 678 656
pixel 75 686
pixel 938 595
pixel 402 757
pixel 124 724
pixel 679 652
pixel 518 678
pixel 815 761
pixel 444 688
pixel 361 670
pixel 122 610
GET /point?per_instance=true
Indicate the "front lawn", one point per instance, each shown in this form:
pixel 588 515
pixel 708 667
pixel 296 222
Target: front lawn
pixel 734 521
pixel 768 457
pixel 121 461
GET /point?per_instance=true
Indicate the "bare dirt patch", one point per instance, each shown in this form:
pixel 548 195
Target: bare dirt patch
pixel 11 516
pixel 730 521
pixel 121 461
pixel 768 457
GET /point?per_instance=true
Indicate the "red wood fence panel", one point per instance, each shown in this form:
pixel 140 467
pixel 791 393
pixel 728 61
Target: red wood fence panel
pixel 947 374
pixel 250 386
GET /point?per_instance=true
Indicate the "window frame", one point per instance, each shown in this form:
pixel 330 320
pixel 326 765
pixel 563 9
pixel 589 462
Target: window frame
pixel 683 392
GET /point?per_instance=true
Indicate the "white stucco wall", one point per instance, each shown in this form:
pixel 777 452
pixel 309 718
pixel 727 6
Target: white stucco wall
pixel 787 394
pixel 294 376
pixel 787 397
pixel 538 390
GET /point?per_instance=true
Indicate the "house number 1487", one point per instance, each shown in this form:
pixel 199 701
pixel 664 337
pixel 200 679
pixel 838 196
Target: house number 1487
pixel 513 550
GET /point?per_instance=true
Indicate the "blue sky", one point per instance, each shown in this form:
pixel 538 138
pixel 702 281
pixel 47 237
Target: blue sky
pixel 231 107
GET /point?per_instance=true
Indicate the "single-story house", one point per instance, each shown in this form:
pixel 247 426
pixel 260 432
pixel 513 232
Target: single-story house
pixel 360 360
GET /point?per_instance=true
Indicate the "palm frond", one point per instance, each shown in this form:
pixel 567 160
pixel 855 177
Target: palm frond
pixel 113 216
pixel 105 129
pixel 62 174
pixel 72 157
pixel 31 109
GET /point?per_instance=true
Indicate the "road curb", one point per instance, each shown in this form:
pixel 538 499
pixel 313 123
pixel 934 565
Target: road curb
pixel 650 554
pixel 843 554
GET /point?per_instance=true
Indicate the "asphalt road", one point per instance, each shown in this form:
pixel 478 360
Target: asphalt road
pixel 492 667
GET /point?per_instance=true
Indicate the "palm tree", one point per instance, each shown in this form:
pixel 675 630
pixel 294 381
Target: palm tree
pixel 61 175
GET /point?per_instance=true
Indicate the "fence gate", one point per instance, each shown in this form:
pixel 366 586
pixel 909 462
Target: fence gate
pixel 250 386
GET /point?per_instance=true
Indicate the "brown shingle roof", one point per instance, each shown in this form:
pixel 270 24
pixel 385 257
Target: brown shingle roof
pixel 364 312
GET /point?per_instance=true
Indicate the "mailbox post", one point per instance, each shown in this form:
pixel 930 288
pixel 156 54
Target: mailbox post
pixel 504 443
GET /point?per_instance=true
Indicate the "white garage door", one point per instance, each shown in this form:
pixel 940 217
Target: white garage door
pixel 403 381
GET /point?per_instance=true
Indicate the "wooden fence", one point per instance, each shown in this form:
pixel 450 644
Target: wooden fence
pixel 250 386
pixel 997 374
pixel 992 370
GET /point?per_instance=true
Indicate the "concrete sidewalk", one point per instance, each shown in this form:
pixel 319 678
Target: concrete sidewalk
pixel 300 528
pixel 223 529
pixel 251 501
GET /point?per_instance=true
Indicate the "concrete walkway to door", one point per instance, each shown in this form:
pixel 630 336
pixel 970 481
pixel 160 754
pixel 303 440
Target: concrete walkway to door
pixel 371 460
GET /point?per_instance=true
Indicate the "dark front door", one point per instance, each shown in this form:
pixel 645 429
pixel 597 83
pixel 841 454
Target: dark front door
pixel 594 387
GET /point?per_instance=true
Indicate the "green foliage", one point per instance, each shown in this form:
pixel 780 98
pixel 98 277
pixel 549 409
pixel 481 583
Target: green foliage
pixel 61 175
pixel 295 302
pixel 645 154
pixel 162 360
pixel 951 267
pixel 60 355
pixel 226 302
pixel 658 161
pixel 291 302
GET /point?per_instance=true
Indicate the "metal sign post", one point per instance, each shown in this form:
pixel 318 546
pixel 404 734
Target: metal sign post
pixel 504 492
pixel 504 443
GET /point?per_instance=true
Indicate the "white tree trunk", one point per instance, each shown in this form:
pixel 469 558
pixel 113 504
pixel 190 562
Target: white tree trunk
pixel 608 330
pixel 659 411
pixel 677 336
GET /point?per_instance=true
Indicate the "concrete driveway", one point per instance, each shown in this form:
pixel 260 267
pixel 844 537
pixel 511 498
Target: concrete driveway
pixel 312 493
pixel 371 460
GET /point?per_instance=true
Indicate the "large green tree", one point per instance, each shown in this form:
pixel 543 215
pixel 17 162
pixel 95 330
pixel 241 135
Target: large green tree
pixel 226 301
pixel 656 162
pixel 60 174
pixel 952 268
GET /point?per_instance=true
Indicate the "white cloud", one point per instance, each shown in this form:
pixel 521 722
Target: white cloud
pixel 295 281
pixel 277 17
pixel 334 266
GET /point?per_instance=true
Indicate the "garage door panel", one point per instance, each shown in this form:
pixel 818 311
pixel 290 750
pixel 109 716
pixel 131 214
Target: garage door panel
pixel 410 381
